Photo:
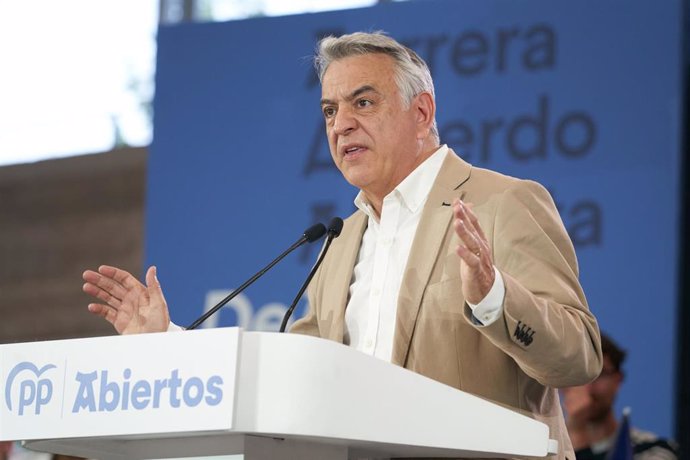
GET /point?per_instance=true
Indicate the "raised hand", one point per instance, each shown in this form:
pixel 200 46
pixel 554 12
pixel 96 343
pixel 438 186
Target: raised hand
pixel 128 305
pixel 476 263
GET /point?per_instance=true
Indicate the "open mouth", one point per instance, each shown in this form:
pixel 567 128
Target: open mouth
pixel 353 150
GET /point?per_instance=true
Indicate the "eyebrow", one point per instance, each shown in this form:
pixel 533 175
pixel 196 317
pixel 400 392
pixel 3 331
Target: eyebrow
pixel 354 94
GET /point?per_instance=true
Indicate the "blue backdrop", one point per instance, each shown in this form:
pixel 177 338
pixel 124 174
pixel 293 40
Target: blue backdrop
pixel 583 97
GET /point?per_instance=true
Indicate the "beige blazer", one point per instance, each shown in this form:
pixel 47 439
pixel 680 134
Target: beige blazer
pixel 546 337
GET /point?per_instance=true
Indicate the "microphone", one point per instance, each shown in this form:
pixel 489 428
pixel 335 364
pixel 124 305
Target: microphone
pixel 310 235
pixel 335 226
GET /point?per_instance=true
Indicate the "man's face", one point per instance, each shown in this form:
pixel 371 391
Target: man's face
pixel 603 391
pixel 375 141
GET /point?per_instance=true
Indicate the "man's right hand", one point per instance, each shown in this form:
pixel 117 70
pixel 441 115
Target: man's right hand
pixel 129 306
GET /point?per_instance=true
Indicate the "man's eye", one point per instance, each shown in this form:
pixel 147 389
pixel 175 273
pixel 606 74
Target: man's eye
pixel 363 102
pixel 328 112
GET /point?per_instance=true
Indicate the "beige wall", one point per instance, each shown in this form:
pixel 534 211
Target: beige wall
pixel 57 218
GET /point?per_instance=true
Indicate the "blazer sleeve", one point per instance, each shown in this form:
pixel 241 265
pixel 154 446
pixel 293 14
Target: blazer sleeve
pixel 546 325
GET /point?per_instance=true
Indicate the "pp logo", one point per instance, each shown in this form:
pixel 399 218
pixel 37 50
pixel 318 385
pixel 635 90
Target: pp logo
pixel 33 391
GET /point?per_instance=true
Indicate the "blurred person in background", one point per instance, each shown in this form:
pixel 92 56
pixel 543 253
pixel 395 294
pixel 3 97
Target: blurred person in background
pixel 592 423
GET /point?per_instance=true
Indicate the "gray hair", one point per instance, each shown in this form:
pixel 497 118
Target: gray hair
pixel 411 72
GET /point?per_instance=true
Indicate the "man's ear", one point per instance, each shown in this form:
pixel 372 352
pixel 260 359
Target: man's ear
pixel 425 111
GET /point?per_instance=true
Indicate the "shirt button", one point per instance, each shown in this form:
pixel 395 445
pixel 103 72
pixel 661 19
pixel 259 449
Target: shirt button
pixel 369 343
pixel 376 292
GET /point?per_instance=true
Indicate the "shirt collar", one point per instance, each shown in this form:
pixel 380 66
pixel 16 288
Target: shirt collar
pixel 414 189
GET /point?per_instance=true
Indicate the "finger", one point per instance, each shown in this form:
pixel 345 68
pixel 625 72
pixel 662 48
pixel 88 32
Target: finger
pixel 463 212
pixel 470 258
pixel 154 288
pixel 100 294
pixel 473 252
pixel 91 276
pixel 469 239
pixel 103 311
pixel 105 282
pixel 460 210
pixel 467 208
pixel 124 278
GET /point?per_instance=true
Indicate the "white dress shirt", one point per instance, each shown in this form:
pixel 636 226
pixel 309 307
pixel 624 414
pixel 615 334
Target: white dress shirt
pixel 386 243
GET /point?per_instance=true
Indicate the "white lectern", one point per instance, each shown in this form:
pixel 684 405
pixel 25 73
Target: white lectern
pixel 227 391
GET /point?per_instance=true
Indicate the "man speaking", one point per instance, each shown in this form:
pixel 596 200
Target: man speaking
pixel 458 273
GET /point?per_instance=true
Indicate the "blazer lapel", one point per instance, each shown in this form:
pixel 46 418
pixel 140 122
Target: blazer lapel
pixel 345 251
pixel 433 226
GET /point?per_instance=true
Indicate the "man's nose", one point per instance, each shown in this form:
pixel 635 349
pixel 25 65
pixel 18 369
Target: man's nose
pixel 344 122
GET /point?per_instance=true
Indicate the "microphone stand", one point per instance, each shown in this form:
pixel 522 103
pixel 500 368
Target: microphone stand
pixel 335 226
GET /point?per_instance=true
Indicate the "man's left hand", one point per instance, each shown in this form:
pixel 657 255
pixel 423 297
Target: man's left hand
pixel 476 263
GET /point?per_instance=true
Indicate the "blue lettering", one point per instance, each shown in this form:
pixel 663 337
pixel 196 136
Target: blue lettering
pixel 125 389
pixel 120 395
pixel 193 400
pixel 141 394
pixel 174 383
pixel 109 394
pixel 158 386
pixel 85 397
pixel 30 391
pixel 213 387
pixel 27 393
pixel 43 397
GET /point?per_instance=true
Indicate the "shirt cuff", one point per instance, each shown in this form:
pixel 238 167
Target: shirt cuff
pixel 172 327
pixel 490 308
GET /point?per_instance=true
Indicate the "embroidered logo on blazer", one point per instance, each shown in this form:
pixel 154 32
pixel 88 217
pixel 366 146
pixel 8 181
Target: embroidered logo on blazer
pixel 524 333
